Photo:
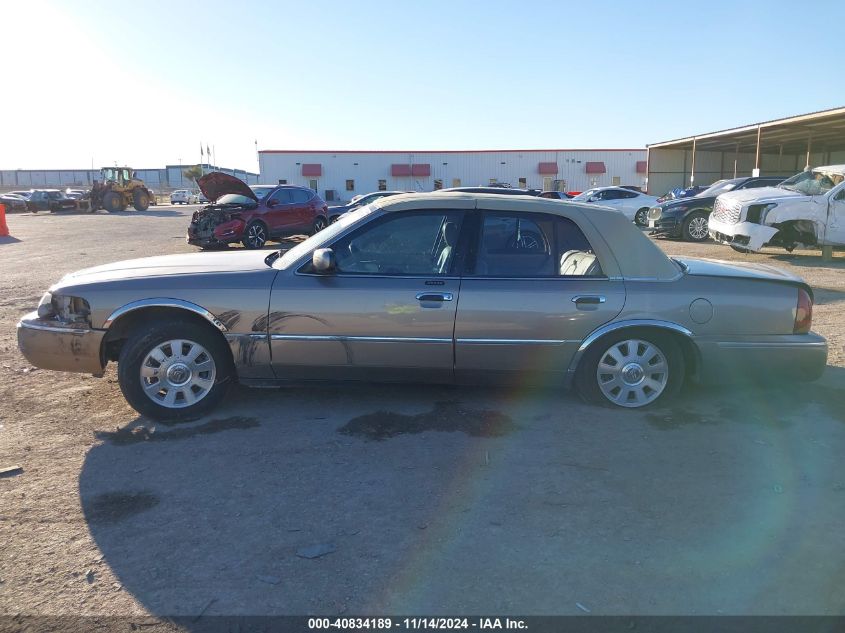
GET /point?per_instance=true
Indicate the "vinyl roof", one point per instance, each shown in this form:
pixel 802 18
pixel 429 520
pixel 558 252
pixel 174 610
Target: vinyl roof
pixel 826 128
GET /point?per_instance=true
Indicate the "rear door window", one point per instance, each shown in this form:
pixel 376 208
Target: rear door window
pixel 532 245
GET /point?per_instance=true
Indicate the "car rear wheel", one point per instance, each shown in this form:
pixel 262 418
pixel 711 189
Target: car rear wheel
pixel 694 228
pixel 174 370
pixel 641 217
pixel 631 370
pixel 255 235
pixel 319 224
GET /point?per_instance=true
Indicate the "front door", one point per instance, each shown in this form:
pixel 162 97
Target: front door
pixel 387 311
pixel 532 292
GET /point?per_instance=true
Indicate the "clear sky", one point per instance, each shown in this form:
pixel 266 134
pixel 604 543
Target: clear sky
pixel 144 83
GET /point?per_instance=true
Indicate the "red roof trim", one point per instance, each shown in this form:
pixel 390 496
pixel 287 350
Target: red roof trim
pixel 312 169
pixel 443 151
pixel 596 168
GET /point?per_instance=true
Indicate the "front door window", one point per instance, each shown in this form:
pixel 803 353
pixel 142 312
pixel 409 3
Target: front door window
pixel 418 243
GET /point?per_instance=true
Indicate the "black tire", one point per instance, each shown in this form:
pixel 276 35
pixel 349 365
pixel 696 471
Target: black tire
pixel 319 224
pixel 140 200
pixel 149 337
pixel 255 235
pixel 113 202
pixel 690 228
pixel 641 217
pixel 587 377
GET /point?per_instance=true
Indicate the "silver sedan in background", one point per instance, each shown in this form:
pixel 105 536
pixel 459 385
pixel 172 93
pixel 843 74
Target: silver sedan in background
pixel 447 288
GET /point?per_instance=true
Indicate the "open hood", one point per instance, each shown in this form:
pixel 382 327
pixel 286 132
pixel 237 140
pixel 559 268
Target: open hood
pixel 215 184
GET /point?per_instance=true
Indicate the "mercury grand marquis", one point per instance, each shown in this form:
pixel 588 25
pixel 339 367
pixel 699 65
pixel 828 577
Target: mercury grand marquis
pixel 448 288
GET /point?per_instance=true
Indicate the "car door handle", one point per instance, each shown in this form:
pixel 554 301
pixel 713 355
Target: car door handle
pixel 588 299
pixel 434 296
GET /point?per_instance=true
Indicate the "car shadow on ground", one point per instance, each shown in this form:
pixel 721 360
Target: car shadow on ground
pixel 394 499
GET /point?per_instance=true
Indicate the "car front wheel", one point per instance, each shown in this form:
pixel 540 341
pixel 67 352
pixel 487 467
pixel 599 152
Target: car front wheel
pixel 695 228
pixel 319 224
pixel 174 370
pixel 641 217
pixel 631 369
pixel 255 235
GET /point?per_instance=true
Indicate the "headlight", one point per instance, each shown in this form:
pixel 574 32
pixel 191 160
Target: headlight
pixel 64 309
pixel 757 212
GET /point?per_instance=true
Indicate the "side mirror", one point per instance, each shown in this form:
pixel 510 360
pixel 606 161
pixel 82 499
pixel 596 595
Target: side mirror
pixel 271 204
pixel 593 199
pixel 323 260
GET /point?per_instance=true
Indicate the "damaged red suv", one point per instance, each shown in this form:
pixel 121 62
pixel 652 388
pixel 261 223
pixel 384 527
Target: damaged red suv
pixel 253 215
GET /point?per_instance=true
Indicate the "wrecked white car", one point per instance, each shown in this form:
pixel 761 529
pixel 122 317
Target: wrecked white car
pixel 805 210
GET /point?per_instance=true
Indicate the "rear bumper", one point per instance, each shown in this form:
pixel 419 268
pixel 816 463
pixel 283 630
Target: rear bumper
pixel 50 346
pixel 762 359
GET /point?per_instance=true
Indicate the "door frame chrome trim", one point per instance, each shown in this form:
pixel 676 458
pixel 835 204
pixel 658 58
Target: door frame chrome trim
pixel 359 339
pixel 513 341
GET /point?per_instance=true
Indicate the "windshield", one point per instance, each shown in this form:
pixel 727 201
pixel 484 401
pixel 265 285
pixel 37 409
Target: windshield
pixel 261 191
pixel 722 186
pixel 585 195
pixel 323 237
pixel 234 198
pixel 812 183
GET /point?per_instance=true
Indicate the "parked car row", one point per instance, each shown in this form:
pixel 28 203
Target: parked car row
pixel 807 209
pixel 35 200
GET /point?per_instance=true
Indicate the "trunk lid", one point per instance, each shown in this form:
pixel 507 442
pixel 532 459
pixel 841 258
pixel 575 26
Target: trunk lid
pixel 720 268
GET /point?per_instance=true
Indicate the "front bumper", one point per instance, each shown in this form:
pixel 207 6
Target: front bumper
pixel 665 226
pixel 50 346
pixel 747 235
pixel 762 359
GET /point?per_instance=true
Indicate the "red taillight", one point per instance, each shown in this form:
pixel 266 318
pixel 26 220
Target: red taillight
pixel 803 313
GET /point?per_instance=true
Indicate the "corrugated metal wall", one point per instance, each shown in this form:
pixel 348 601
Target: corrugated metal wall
pixel 168 178
pixel 366 169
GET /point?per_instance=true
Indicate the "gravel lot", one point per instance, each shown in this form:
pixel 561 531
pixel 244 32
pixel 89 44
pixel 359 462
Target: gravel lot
pixel 424 500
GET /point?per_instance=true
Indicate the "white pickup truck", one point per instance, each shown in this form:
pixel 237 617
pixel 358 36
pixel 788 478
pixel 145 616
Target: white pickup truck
pixel 805 210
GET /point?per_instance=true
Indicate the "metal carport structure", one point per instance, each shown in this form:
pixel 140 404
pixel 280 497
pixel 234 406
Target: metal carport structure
pixel 781 147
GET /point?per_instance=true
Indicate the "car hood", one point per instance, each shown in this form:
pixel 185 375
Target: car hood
pixel 720 268
pixel 216 184
pixel 168 265
pixel 761 193
pixel 693 201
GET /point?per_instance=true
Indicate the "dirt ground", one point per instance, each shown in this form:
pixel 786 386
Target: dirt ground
pixel 388 499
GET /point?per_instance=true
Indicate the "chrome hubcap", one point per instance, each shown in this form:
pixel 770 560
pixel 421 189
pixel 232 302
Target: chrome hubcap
pixel 177 373
pixel 632 373
pixel 698 228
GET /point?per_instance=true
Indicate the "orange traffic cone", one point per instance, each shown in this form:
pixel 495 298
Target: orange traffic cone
pixel 4 230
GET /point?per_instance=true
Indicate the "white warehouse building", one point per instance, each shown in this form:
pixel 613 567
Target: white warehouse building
pixel 340 175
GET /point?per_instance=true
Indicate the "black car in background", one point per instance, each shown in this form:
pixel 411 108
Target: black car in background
pixel 502 191
pixel 556 195
pixel 686 218
pixel 13 203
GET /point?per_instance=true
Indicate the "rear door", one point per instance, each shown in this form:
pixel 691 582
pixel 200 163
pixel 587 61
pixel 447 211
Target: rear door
pixel 301 209
pixel 532 290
